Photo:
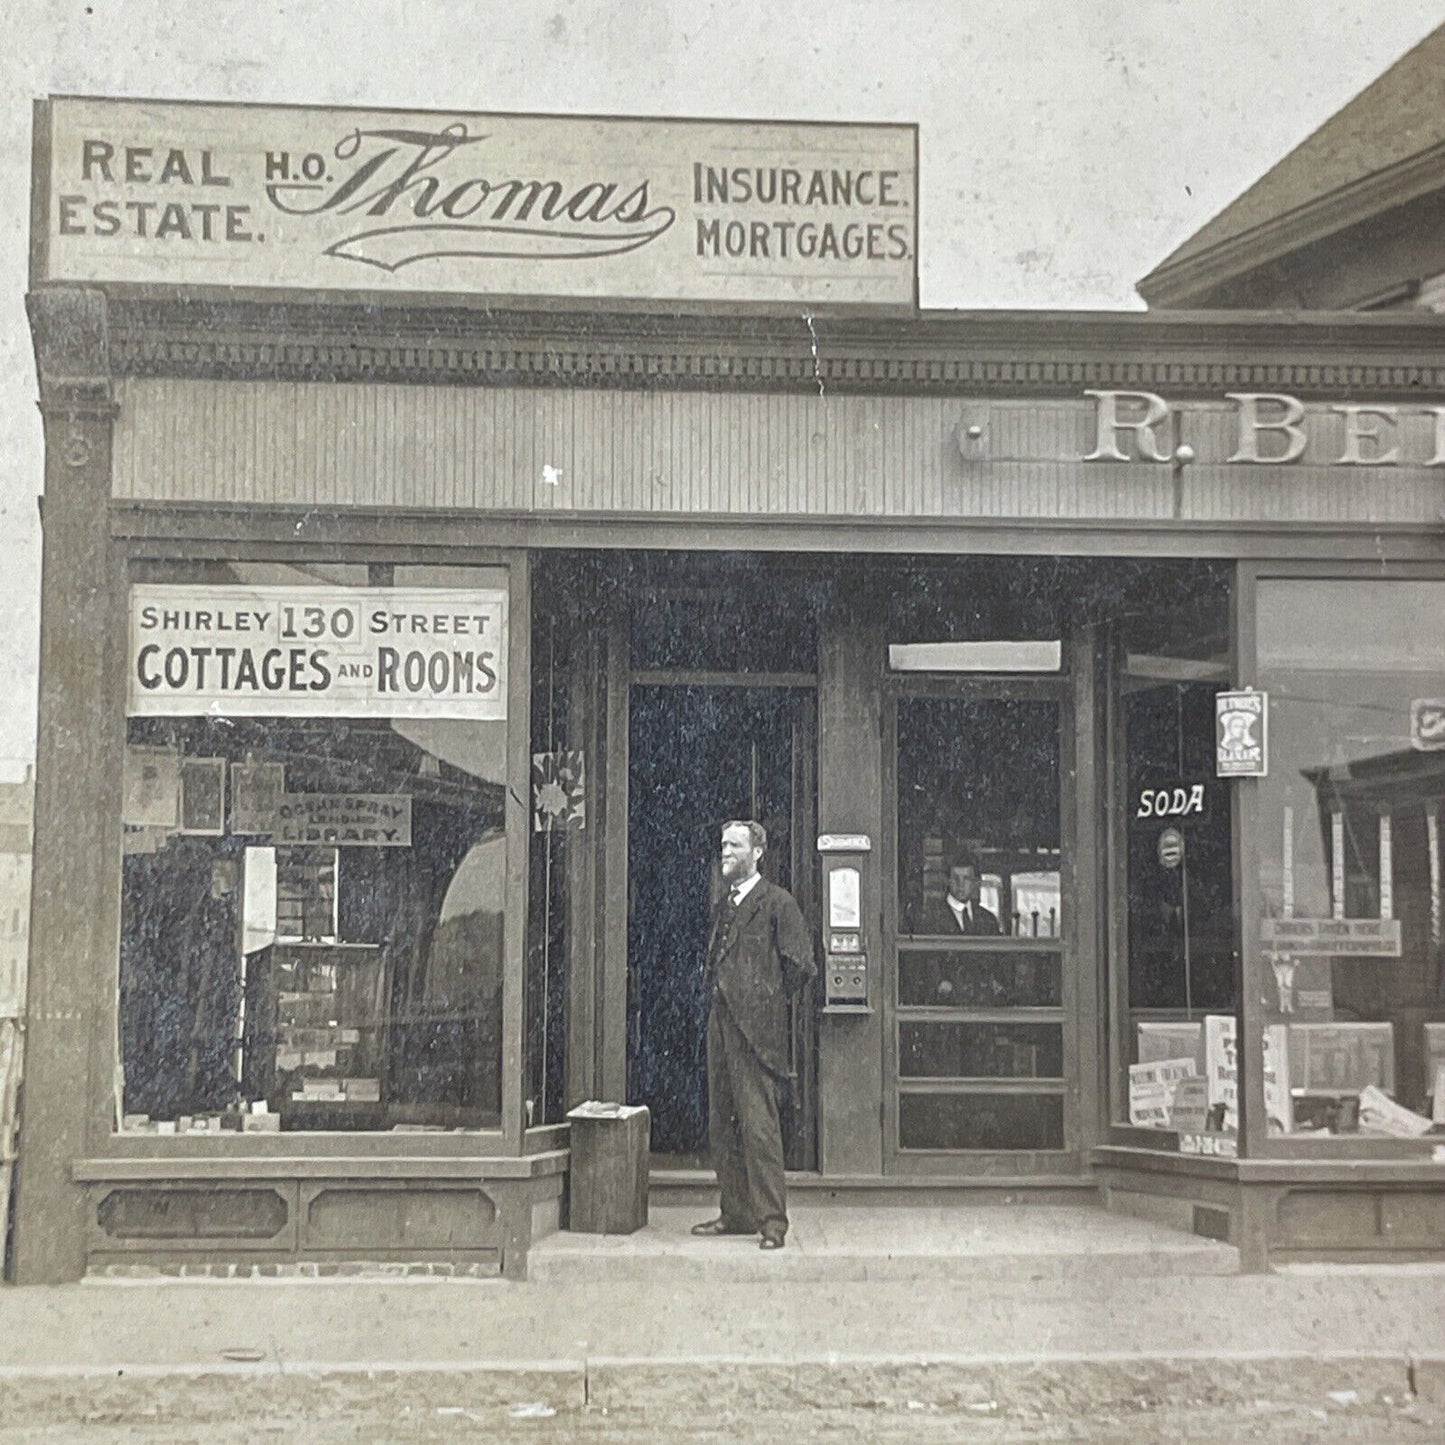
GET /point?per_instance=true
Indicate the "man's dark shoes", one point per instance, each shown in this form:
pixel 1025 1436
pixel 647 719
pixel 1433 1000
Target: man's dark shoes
pixel 718 1226
pixel 771 1241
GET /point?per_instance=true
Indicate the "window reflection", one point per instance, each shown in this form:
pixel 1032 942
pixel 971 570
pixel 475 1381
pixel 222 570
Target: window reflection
pixel 312 911
pixel 978 818
pixel 1350 942
pixel 1174 837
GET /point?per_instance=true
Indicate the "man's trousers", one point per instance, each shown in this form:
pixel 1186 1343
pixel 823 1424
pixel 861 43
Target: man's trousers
pixel 745 1130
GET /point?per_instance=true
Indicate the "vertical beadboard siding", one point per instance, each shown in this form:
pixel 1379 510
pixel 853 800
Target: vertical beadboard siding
pixel 725 453
pixel 1313 488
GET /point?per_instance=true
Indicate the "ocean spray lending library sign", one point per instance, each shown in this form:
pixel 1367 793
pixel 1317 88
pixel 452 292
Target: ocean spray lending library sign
pixel 379 652
pixel 179 194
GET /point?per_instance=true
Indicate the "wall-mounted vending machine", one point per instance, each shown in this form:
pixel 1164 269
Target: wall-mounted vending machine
pixel 845 952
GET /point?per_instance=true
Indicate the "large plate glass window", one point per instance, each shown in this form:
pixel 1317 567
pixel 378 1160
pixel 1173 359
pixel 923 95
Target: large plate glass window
pixel 314 850
pixel 1349 955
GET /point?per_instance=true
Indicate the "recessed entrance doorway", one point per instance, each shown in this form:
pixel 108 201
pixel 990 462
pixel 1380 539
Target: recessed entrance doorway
pixel 699 756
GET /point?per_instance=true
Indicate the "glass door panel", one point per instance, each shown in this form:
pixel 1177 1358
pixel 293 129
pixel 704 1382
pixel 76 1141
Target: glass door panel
pixel 1177 888
pixel 978 1058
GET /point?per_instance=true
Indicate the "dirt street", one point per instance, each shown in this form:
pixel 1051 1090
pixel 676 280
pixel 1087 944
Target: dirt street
pixel 1328 1422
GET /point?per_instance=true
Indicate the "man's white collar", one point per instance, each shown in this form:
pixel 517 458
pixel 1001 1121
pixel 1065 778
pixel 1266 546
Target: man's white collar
pixel 741 890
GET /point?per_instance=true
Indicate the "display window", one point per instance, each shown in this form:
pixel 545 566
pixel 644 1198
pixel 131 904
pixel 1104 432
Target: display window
pixel 1348 949
pixel 1175 924
pixel 313 873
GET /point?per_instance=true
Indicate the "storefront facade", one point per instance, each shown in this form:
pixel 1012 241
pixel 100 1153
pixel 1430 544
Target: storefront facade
pixel 402 657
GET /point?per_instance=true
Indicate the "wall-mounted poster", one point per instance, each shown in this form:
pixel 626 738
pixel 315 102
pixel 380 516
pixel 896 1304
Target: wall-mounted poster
pixel 1427 724
pixel 1241 734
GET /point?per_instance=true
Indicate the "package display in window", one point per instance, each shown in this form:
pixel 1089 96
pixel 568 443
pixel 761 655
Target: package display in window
pixel 1350 941
pixel 312 906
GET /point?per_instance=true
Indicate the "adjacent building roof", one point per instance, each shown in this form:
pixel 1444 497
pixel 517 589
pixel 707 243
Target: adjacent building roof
pixel 1386 147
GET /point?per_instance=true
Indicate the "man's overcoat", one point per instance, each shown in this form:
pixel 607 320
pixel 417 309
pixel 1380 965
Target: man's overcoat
pixel 761 951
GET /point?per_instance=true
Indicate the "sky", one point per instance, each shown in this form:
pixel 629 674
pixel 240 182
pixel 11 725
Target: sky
pixel 1066 146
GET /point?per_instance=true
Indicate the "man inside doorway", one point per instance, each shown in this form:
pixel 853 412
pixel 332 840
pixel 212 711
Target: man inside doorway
pixel 759 952
pixel 961 911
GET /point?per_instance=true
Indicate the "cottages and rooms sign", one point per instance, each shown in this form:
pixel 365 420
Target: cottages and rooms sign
pixel 179 194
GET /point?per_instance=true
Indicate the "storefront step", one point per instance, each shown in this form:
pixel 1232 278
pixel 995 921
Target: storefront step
pixel 841 1243
pixel 697 1188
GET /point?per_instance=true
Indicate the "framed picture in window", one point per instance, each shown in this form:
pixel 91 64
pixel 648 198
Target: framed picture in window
pixel 203 796
pixel 152 781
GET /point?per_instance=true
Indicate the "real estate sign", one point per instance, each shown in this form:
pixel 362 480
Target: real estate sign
pixel 501 206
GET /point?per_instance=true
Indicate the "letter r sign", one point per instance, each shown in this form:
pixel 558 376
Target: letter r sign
pixel 1147 413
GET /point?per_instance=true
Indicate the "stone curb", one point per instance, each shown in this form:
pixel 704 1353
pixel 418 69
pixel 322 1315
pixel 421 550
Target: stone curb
pixel 1001 1385
pixel 199 1394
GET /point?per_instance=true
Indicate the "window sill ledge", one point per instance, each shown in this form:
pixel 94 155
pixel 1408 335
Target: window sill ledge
pixel 466 1167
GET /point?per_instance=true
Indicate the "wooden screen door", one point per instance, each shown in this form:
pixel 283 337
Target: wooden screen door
pixel 980 1061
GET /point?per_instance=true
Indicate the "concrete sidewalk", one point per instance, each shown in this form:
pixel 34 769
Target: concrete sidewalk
pixel 212 1348
pixel 839 1243
pixel 1014 1311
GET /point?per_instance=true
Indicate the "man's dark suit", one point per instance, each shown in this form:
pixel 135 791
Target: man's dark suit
pixel 758 953
pixel 939 920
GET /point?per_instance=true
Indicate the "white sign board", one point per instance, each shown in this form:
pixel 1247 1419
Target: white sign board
pixel 1333 937
pixel 380 652
pixel 382 820
pixel 1221 1068
pixel 1153 1088
pixel 1380 1114
pixel 296 197
pixel 1189 1111
pixel 1223 1146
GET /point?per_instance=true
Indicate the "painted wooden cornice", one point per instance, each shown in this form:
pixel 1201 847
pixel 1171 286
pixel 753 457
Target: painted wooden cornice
pixel 1318 355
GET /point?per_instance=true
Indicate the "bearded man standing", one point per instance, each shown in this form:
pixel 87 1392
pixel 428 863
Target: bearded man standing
pixel 759 952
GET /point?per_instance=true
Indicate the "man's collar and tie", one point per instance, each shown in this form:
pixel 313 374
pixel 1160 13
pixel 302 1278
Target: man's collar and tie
pixel 739 891
pixel 728 906
pixel 962 911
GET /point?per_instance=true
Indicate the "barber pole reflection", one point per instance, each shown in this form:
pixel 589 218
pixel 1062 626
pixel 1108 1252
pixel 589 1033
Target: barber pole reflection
pixel 1387 868
pixel 1432 833
pixel 1337 871
pixel 1287 866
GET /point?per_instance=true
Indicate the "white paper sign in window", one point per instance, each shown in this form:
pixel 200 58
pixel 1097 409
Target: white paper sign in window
pixel 387 652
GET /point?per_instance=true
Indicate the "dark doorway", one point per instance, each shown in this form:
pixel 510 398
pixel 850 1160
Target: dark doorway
pixel 1181 914
pixel 700 756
